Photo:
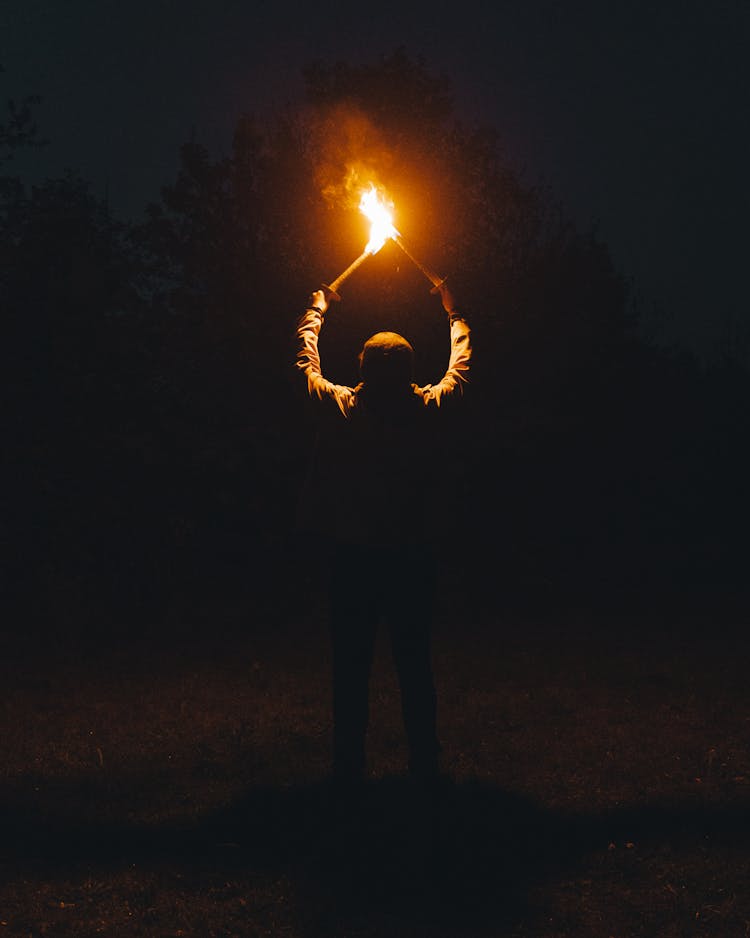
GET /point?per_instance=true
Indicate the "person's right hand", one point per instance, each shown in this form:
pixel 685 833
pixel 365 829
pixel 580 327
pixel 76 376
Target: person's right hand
pixel 319 300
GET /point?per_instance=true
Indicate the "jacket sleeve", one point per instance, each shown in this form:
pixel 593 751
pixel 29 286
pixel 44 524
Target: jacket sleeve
pixel 453 382
pixel 307 365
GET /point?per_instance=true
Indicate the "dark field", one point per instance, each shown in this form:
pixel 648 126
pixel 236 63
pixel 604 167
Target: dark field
pixel 168 778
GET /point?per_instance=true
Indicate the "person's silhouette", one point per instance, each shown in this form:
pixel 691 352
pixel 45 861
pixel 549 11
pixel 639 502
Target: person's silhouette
pixel 367 494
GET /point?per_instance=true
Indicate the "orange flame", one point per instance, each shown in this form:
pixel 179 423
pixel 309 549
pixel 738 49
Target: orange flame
pixel 380 212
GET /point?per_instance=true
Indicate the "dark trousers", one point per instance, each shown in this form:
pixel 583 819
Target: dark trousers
pixel 369 584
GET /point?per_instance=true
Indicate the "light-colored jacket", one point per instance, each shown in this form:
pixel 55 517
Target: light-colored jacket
pixel 376 460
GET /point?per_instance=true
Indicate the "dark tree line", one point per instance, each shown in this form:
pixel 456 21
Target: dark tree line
pixel 156 442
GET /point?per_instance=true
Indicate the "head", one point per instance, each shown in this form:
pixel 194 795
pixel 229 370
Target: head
pixel 386 362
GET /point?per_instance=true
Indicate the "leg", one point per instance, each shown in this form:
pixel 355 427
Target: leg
pixel 410 614
pixel 353 624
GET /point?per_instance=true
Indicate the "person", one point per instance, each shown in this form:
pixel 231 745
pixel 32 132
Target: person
pixel 375 454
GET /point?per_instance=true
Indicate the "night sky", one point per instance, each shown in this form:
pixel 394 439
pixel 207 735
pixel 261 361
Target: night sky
pixel 635 113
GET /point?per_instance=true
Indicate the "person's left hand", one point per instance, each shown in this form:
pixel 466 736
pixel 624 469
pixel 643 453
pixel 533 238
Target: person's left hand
pixel 449 301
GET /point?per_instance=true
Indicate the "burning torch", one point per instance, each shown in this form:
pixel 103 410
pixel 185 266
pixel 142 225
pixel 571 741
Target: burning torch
pixel 381 229
pixel 381 218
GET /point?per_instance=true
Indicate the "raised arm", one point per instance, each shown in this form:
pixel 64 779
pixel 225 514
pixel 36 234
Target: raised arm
pixel 307 362
pixel 452 384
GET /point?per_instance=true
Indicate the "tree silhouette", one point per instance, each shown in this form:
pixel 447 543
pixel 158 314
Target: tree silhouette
pixel 238 242
pixel 19 129
pixel 150 363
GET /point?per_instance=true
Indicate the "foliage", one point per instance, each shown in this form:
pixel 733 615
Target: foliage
pixel 154 359
pixel 19 129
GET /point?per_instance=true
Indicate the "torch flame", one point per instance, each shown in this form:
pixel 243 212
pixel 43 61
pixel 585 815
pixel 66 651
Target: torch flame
pixel 380 213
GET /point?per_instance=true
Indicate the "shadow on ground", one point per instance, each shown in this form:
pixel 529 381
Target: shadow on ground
pixel 464 859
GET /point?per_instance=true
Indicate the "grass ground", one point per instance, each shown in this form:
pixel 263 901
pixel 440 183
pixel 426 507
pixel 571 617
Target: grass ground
pixel 170 780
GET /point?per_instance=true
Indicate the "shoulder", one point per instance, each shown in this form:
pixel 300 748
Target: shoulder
pixel 344 397
pixel 425 393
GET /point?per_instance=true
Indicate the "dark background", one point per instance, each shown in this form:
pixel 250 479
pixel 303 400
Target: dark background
pixel 580 178
pixel 579 174
pixel 634 113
